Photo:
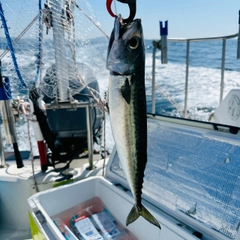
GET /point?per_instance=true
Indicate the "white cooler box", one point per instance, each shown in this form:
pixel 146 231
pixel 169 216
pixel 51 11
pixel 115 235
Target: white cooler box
pixel 49 203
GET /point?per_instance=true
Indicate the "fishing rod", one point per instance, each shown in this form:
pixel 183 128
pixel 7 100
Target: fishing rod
pixel 8 117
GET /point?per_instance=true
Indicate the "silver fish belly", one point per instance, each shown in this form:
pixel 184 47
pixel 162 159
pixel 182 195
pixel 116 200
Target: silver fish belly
pixel 127 109
pixel 129 136
pixel 123 127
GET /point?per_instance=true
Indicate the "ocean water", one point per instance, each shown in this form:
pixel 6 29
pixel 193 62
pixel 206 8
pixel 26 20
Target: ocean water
pixel 204 76
pixel 203 86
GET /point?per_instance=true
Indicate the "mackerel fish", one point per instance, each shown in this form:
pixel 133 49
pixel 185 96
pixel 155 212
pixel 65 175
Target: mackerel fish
pixel 127 107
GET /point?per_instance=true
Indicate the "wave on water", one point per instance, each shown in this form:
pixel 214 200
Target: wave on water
pixel 204 77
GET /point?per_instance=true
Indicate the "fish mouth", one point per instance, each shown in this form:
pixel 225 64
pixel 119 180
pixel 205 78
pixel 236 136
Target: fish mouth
pixel 115 73
pixel 120 69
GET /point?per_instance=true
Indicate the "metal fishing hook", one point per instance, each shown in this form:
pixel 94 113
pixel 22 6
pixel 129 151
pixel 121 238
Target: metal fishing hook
pixel 131 5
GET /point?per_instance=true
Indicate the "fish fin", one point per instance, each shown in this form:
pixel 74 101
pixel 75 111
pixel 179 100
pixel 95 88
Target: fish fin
pixel 126 91
pixel 133 215
pixel 149 217
pixel 137 211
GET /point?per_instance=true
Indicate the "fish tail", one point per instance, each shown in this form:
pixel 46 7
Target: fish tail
pixel 141 211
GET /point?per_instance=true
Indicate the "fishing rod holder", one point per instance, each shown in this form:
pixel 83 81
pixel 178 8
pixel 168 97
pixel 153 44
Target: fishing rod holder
pixel 164 42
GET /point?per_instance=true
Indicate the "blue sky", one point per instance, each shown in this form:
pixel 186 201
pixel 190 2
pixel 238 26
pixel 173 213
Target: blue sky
pixel 186 18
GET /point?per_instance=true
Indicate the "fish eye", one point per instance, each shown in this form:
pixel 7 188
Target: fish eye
pixel 134 43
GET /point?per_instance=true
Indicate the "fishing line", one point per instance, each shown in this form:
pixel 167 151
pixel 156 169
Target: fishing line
pixel 96 24
pixel 31 154
pixel 20 35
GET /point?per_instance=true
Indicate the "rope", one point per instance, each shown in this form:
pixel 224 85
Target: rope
pixel 96 25
pixel 19 36
pixel 11 46
pixel 40 36
pixel 67 20
pixel 23 107
pixel 31 155
pixel 47 17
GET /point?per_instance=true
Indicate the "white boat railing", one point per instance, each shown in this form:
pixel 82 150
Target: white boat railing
pixel 157 45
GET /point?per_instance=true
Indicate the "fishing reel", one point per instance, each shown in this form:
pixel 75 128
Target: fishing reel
pixel 19 106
